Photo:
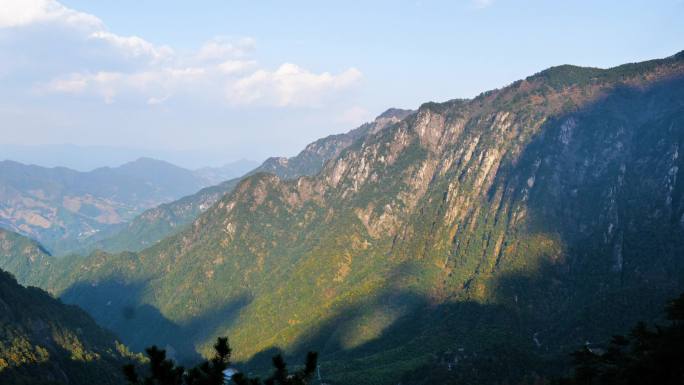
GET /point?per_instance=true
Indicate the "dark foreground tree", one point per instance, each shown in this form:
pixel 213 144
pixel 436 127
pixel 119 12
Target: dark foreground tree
pixel 282 376
pixel 644 357
pixel 163 371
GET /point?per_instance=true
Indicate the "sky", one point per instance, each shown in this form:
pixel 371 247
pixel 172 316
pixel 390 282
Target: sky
pixel 208 82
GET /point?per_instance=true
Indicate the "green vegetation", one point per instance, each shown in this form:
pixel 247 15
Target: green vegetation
pixel 572 76
pixel 168 219
pixel 471 242
pixel 43 341
pixel 22 256
pixel 159 222
pixel 644 357
pixel 162 371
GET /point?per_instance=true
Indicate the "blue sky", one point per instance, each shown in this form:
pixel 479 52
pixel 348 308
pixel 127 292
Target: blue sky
pixel 214 81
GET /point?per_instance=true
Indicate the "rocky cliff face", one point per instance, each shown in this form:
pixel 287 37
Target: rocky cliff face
pixel 165 220
pixel 310 160
pixel 511 227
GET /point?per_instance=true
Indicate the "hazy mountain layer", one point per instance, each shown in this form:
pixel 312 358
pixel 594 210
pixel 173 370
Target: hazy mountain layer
pixel 216 175
pixel 62 208
pixel 490 235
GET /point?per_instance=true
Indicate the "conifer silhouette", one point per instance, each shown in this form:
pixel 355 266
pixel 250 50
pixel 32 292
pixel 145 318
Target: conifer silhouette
pixel 163 371
pixel 647 356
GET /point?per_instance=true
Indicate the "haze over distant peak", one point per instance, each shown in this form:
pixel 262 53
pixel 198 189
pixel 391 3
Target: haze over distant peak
pixel 230 170
pixel 90 157
pixel 62 207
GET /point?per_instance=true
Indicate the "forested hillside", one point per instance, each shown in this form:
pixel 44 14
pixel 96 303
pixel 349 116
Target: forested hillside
pixel 43 341
pixel 167 219
pixel 476 240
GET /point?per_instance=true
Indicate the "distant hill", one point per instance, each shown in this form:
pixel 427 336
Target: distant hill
pixel 159 222
pixel 80 158
pixel 43 341
pixel 62 208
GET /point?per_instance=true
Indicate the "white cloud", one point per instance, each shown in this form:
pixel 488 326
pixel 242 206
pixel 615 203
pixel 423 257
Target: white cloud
pixel 68 23
pixel 289 85
pixel 16 13
pixel 96 62
pixel 134 46
pixel 71 84
pixel 235 67
pixel 483 3
pixel 151 87
pixel 222 47
pixel 153 101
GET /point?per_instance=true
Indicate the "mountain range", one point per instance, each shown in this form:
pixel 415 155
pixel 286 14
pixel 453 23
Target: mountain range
pixel 470 241
pixel 162 221
pixel 63 208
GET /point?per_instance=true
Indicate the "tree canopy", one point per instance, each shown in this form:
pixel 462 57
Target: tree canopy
pixel 163 371
pixel 646 356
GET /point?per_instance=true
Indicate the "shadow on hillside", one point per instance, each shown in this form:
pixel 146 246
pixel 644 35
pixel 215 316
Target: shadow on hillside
pixel 597 178
pixel 61 369
pixel 422 343
pixel 592 177
pixel 568 180
pixel 118 307
pixel 518 338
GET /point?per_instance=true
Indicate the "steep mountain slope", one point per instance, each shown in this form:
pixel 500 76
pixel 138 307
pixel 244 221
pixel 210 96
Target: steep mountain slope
pixel 43 341
pixel 167 219
pixel 313 157
pixel 22 256
pixel 62 207
pixel 159 222
pixel 493 234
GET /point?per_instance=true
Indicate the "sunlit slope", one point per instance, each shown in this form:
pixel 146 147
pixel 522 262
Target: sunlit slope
pixel 527 220
pixel 168 219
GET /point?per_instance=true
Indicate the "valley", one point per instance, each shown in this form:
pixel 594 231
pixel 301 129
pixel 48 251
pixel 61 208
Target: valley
pixel 65 209
pixel 495 235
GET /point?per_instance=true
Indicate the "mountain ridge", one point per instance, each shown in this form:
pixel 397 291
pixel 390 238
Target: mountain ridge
pixel 43 341
pixel 156 223
pixel 62 208
pixel 527 220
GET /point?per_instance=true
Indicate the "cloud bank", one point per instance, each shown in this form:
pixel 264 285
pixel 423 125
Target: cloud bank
pixel 95 62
